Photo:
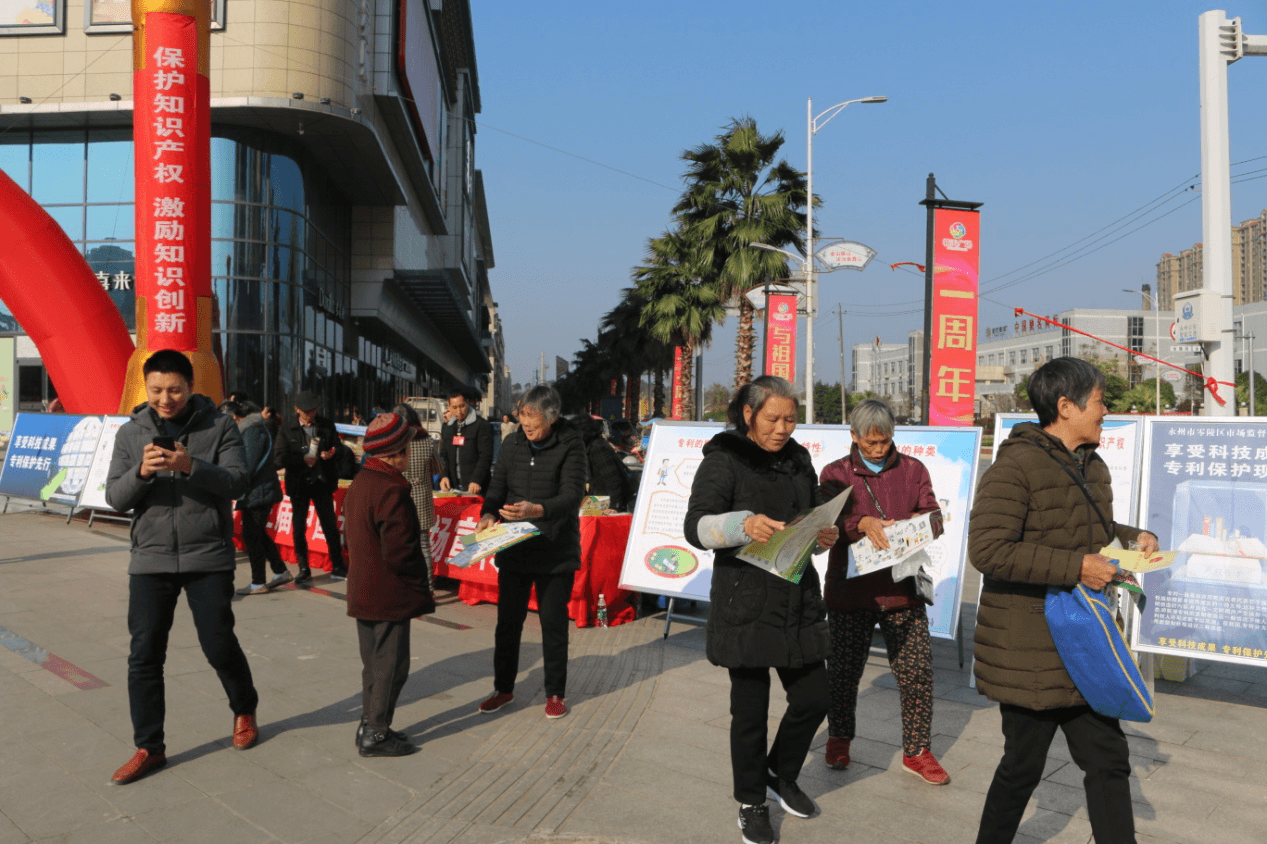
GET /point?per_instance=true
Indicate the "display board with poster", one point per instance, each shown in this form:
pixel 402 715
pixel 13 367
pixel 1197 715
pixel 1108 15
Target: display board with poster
pixel 1121 440
pixel 94 491
pixel 49 456
pixel 659 560
pixel 1205 497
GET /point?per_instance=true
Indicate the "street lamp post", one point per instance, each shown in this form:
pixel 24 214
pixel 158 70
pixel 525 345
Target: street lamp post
pixel 1157 329
pixel 813 124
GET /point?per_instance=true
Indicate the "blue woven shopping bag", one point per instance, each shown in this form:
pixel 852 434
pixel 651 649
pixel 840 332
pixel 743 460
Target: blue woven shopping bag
pixel 1095 654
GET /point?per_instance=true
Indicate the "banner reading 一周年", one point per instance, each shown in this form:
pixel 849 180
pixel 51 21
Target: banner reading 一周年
pixel 953 360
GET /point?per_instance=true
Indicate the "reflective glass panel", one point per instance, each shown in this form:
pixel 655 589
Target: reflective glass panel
pixel 111 221
pixel 110 166
pixel 15 157
pixel 70 218
pixel 57 167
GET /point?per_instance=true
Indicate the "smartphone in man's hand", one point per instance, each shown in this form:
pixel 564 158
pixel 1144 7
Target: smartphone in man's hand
pixel 168 443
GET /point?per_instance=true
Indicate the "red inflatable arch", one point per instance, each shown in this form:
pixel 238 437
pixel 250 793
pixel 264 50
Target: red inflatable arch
pixel 58 301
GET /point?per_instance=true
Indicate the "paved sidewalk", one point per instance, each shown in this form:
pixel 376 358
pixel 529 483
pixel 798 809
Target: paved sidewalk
pixel 642 757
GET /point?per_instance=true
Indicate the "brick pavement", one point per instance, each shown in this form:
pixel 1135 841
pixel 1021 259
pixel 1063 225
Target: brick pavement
pixel 641 758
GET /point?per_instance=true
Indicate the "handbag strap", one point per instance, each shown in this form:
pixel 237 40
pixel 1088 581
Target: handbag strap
pixel 1082 485
pixel 875 500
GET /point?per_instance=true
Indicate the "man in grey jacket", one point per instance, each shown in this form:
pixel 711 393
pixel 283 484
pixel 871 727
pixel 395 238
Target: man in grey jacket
pixel 178 464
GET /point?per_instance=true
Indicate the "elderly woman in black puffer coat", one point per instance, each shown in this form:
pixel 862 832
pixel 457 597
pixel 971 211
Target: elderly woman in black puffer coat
pixel 753 480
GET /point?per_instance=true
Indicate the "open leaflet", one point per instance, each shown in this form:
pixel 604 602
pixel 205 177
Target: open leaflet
pixel 786 553
pixel 488 542
pixel 905 538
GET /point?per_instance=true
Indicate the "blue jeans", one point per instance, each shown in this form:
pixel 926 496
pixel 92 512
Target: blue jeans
pixel 151 609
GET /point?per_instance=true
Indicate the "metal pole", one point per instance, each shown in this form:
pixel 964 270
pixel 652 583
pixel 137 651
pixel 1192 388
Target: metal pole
pixel 930 195
pixel 1249 338
pixel 840 319
pixel 1216 193
pixel 809 262
pixel 1157 328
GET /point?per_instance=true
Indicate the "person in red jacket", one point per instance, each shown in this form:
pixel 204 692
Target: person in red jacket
pixel 387 579
pixel 888 486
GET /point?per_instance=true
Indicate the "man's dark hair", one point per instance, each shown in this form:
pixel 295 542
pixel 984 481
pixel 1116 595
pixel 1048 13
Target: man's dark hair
pixel 471 396
pixel 169 361
pixel 1073 378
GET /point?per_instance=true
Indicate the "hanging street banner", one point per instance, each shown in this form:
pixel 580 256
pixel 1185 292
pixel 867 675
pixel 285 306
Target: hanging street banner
pixel 953 363
pixel 676 406
pixel 780 336
pixel 659 560
pixel 1205 497
pixel 844 255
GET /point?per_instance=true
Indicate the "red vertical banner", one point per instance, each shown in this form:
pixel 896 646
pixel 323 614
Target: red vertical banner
pixel 171 127
pixel 677 383
pixel 953 364
pixel 780 336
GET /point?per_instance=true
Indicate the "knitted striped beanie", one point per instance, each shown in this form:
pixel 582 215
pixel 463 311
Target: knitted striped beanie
pixel 387 434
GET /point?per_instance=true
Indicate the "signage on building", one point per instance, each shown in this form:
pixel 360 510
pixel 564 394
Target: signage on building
pixel 1198 316
pixel 845 255
pixel 396 364
pixel 780 336
pixel 333 305
pixel 953 364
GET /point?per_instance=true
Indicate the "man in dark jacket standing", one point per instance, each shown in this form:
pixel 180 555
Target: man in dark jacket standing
pixel 540 478
pixel 1042 512
pixel 388 580
pixel 306 448
pixel 466 445
pixel 178 464
pixel 263 491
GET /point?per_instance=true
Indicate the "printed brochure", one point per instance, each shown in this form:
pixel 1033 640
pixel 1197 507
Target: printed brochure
pixel 786 553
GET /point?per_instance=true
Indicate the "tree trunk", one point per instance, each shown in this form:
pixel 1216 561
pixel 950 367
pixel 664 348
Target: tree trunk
pixel 745 342
pixel 657 403
pixel 688 380
pixel 633 392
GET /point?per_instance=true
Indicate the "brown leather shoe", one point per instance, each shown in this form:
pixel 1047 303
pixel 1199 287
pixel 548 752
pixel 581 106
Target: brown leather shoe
pixel 141 763
pixel 245 733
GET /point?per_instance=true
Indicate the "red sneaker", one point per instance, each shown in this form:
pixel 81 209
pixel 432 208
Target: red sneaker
pixel 245 733
pixel 556 707
pixel 141 763
pixel 837 754
pixel 496 702
pixel 925 766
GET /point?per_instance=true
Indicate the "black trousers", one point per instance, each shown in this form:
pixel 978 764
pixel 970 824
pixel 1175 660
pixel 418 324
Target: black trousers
pixel 1098 747
pixel 259 545
pixel 385 657
pixel 151 609
pixel 807 702
pixel 324 502
pixel 553 593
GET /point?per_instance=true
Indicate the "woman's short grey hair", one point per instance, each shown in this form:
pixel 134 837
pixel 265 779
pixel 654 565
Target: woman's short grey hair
pixel 543 399
pixel 872 415
pixel 1073 378
pixel 755 395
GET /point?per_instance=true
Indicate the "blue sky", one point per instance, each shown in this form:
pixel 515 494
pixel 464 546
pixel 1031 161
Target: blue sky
pixel 1060 117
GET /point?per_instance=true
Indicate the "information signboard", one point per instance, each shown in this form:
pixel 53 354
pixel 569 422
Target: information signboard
pixel 49 455
pixel 659 560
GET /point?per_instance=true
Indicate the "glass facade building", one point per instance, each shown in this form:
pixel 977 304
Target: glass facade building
pixel 280 264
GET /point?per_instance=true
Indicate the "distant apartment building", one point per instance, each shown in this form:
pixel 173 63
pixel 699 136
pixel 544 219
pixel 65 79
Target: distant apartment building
pixel 893 371
pixel 1177 273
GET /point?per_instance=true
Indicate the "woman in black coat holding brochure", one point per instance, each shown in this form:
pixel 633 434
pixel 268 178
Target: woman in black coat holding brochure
pixel 540 478
pixel 753 480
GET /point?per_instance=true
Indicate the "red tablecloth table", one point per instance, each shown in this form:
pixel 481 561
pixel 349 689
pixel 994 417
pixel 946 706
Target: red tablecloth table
pixel 603 540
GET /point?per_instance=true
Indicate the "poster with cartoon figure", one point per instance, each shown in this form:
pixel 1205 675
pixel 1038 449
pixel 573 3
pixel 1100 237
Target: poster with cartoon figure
pixel 94 493
pixel 49 456
pixel 659 560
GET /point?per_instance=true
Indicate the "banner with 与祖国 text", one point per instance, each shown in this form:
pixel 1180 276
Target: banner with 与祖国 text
pixel 952 371
pixel 780 336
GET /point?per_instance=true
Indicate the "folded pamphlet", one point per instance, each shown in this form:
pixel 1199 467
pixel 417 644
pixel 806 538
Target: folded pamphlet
pixel 786 553
pixel 486 543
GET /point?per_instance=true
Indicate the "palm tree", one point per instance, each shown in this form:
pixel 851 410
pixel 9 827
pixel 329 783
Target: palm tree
pixel 632 346
pixel 738 194
pixel 682 304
